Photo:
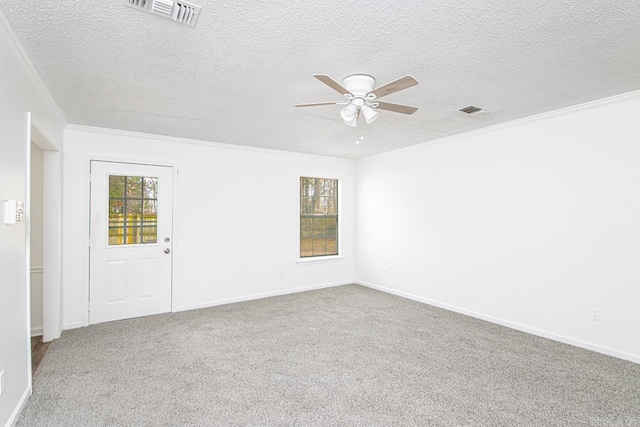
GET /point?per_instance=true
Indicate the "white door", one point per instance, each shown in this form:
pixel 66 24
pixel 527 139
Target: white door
pixel 131 240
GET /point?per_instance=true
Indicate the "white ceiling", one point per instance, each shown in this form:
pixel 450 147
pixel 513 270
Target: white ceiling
pixel 235 77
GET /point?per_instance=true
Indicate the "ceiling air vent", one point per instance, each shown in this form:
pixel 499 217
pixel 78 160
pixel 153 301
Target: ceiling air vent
pixel 179 11
pixel 138 4
pixel 185 13
pixel 162 7
pixel 472 110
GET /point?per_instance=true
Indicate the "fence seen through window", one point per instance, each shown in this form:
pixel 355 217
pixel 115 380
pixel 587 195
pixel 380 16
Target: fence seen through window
pixel 318 217
pixel 133 210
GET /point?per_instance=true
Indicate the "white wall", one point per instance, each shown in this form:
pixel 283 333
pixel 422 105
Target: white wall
pixel 20 92
pixel 532 224
pixel 238 218
pixel 36 240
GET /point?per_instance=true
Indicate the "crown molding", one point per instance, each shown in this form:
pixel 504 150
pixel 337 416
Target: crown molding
pixel 519 122
pixel 221 145
pixel 23 58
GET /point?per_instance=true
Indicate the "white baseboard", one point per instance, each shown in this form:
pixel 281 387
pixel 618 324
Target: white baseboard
pixel 13 419
pixel 36 331
pixel 262 295
pixel 513 325
pixel 73 325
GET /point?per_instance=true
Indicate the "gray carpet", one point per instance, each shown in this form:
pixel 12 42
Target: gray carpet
pixel 344 356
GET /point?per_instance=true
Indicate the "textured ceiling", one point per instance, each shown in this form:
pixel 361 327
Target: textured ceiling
pixel 235 77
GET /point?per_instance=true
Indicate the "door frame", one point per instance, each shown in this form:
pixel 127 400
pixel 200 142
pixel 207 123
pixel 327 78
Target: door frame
pixel 51 231
pixel 88 158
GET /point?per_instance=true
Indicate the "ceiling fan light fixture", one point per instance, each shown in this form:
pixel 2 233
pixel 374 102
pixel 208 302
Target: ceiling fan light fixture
pixel 353 122
pixel 349 112
pixel 370 115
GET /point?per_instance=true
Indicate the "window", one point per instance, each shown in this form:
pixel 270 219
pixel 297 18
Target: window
pixel 133 210
pixel 318 217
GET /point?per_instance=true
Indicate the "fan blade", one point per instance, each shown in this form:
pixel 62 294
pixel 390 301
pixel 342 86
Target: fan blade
pixel 317 103
pixel 396 108
pixel 393 87
pixel 332 84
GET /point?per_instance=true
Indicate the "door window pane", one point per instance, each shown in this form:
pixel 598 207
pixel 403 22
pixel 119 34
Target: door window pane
pixel 133 185
pixel 150 188
pixel 133 210
pixel 150 209
pixel 116 187
pixel 149 235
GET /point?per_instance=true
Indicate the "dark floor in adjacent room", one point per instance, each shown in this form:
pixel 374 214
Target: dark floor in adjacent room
pixel 38 350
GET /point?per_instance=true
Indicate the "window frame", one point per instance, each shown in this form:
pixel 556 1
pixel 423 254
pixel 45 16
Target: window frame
pixel 315 258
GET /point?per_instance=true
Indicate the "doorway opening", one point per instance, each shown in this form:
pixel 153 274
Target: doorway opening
pixel 43 220
pixel 36 200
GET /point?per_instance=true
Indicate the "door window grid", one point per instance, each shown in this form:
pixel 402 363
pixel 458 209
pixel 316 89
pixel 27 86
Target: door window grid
pixel 133 210
pixel 318 217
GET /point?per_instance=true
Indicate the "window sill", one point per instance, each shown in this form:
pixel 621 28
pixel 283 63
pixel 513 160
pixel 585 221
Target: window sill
pixel 319 259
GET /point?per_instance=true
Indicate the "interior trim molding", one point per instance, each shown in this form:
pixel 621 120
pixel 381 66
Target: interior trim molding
pixel 176 139
pixel 36 331
pixel 509 324
pixel 263 295
pixel 519 122
pixel 41 140
pixel 73 325
pixel 36 270
pixel 13 419
pixel 25 61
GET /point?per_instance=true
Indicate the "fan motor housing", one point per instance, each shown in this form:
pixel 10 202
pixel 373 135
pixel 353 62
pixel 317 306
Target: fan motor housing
pixel 359 84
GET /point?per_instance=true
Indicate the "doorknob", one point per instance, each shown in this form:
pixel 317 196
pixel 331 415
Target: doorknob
pixel 166 251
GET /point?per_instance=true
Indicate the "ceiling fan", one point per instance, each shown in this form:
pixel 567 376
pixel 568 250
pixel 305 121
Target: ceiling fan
pixel 361 97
